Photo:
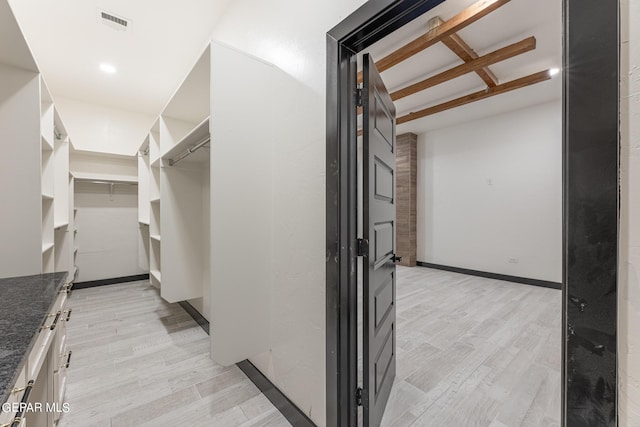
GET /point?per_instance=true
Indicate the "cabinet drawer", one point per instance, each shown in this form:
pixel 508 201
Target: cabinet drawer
pixel 60 382
pixel 47 334
pixel 38 353
pixel 60 347
pixel 18 388
pixel 60 339
pixel 6 418
pixel 14 397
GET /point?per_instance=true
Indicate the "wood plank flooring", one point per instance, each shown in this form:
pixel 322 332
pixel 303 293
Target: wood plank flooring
pixel 139 361
pixel 475 352
pixel 471 352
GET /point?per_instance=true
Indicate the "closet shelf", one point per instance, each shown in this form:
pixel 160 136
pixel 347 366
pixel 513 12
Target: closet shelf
pixel 155 163
pixel 155 237
pixel 145 223
pixel 199 134
pixel 46 145
pixel 46 247
pixel 156 274
pixel 60 226
pixel 46 197
pixel 108 178
pixel 156 200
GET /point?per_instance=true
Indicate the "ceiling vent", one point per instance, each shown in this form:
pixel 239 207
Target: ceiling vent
pixel 116 22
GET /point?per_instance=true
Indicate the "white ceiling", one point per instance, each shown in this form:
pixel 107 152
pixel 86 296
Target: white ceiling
pixel 13 50
pixel 511 23
pixel 164 41
pixel 167 37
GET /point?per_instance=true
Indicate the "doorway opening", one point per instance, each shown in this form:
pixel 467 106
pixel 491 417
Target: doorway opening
pixel 588 351
pixel 478 197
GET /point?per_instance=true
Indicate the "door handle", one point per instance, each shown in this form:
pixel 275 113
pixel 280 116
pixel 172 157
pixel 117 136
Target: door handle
pixel 396 258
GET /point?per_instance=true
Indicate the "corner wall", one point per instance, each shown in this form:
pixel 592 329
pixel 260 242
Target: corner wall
pixel 490 194
pixel 103 129
pixel 295 362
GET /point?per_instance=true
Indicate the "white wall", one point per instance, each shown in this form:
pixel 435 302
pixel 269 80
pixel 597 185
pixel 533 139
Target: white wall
pixel 629 292
pixel 111 242
pixel 296 361
pixel 103 129
pixel 490 191
pixel 241 204
pixel 108 238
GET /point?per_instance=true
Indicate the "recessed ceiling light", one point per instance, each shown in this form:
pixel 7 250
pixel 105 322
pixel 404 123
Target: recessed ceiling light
pixel 554 71
pixel 108 68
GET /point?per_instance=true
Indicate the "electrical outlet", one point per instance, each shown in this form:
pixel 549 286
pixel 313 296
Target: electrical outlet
pixel 513 260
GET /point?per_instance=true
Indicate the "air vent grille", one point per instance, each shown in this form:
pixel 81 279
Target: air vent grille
pixel 118 23
pixel 115 19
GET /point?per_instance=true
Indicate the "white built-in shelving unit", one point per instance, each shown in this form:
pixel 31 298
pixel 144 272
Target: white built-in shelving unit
pixel 34 165
pixel 153 205
pixel 63 221
pixel 174 160
pixel 144 206
pixel 34 171
pixel 47 178
pixel 194 255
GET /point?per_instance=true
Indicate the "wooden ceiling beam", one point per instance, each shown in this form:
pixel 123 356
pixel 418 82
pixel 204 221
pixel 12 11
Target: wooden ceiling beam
pixel 463 51
pixel 477 96
pixel 474 65
pixel 461 20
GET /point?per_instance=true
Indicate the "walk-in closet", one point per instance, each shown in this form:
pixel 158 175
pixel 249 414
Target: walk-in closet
pixel 378 213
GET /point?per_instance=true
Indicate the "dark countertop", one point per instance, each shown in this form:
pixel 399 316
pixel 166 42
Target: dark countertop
pixel 25 303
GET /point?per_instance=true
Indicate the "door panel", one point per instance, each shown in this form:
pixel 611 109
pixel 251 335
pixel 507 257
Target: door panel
pixel 384 181
pixel 379 216
pixel 383 241
pixel 384 300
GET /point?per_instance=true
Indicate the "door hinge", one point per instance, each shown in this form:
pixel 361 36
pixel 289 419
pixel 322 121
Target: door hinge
pixel 359 396
pixel 359 97
pixel 363 247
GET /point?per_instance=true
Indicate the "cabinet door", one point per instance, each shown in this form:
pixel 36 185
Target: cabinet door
pixel 61 360
pixel 14 397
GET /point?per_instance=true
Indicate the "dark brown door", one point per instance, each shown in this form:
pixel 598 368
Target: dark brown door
pixel 379 230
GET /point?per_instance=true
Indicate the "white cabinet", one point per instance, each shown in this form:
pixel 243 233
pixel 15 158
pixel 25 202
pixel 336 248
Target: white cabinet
pixel 42 380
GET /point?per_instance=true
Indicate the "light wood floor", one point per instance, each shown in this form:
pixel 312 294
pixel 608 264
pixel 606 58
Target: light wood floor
pixel 138 361
pixel 471 352
pixel 475 352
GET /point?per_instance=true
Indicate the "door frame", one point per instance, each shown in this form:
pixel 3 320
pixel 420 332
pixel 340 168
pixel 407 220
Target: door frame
pixel 590 217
